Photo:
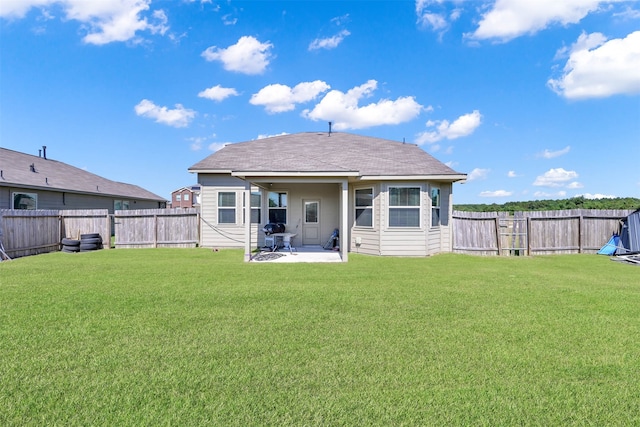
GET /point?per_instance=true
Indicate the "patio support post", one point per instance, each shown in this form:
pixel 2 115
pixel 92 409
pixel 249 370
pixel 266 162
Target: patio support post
pixel 344 220
pixel 247 221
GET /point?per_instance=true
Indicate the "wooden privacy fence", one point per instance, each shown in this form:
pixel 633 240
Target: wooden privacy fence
pixel 25 232
pixel 155 228
pixel 534 233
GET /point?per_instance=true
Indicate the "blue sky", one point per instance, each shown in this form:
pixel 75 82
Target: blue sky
pixel 533 99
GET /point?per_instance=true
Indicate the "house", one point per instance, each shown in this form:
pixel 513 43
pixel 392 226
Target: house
pixel 186 197
pixel 384 197
pixel 37 182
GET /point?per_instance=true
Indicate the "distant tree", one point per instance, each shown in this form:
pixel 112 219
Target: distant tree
pixel 551 205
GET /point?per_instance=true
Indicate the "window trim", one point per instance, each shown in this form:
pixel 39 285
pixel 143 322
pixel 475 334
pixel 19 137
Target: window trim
pixel 437 207
pixel 125 205
pixel 227 208
pixel 33 196
pixel 418 207
pixel 370 207
pixel 286 207
pixel 257 208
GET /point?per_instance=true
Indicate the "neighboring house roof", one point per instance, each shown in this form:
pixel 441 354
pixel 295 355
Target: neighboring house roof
pixel 48 174
pixel 192 188
pixel 326 153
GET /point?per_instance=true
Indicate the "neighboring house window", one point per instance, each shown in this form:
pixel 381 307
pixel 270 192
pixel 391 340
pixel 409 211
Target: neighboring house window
pixel 256 207
pixel 226 207
pixel 120 205
pixel 186 197
pixel 27 201
pixel 435 207
pixel 178 197
pixel 277 207
pixel 364 207
pixel 404 206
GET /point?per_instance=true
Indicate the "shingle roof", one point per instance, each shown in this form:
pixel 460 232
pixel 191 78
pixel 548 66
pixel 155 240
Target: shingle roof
pixel 57 176
pixel 324 152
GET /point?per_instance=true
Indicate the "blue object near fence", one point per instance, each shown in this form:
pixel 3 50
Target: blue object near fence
pixel 611 246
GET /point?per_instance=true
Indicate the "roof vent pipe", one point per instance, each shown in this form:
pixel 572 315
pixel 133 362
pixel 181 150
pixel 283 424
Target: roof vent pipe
pixel 329 128
pixel 39 153
pixel 44 151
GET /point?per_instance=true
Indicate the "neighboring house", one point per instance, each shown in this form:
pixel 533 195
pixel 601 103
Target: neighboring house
pixel 384 197
pixel 36 182
pixel 186 197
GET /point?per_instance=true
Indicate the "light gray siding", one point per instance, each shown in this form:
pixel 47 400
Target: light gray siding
pixel 377 240
pixel 404 241
pixel 212 233
pixel 64 200
pixel 439 238
pixel 365 240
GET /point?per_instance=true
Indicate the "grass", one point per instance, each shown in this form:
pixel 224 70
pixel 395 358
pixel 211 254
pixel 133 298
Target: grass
pixel 195 337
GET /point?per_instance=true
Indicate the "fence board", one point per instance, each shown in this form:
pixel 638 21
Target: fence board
pixel 29 232
pixel 85 221
pixel 154 228
pixel 535 233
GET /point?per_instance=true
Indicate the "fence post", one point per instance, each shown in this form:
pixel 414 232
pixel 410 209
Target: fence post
pixel 528 235
pixel 155 232
pixel 580 233
pixel 498 242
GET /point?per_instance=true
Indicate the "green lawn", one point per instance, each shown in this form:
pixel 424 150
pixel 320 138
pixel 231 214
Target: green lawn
pixel 196 337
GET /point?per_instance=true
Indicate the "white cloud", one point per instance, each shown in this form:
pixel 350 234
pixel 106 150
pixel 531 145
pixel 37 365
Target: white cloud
pixel 574 185
pixel 329 42
pixel 247 56
pixel 433 14
pixel 508 19
pixel 597 196
pixel 550 195
pixel 218 93
pixel 215 146
pixel 497 193
pixel 478 173
pixel 178 117
pixel 106 21
pixel 342 109
pixel 555 178
pixel 277 98
pixel 512 174
pixel 463 126
pixel 548 154
pixel 598 68
pixel 263 136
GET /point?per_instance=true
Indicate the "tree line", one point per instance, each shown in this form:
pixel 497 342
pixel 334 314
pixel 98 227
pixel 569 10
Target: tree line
pixel 551 205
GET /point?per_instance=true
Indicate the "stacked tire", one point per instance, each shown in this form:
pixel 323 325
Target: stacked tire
pixel 87 242
pixel 90 242
pixel 70 245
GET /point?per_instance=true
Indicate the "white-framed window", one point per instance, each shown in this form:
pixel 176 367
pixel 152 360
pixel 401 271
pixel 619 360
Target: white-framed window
pixel 178 197
pixel 120 205
pixel 311 212
pixel 186 197
pixel 404 206
pixel 226 207
pixel 256 207
pixel 435 206
pixel 278 207
pixel 364 207
pixel 25 201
